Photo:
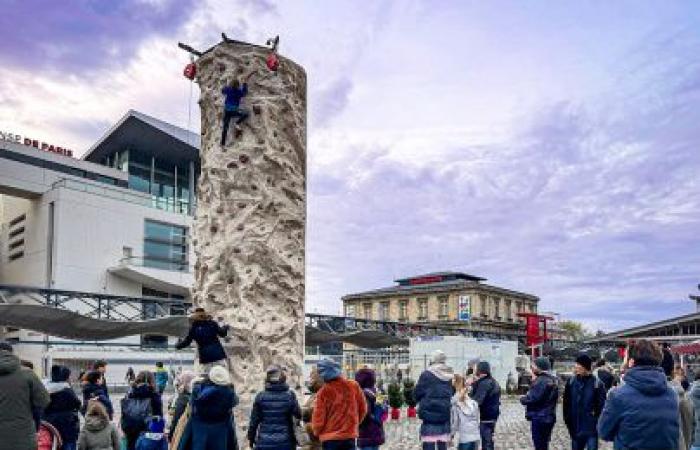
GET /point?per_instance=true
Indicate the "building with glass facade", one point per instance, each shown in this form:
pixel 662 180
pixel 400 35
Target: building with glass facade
pixel 116 222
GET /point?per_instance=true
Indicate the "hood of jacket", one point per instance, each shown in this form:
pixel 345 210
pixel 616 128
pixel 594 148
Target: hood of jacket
pixel 366 378
pixel 200 317
pixel 442 371
pixel 54 387
pixel 141 391
pixel 649 380
pixel 8 363
pixel 95 423
pixel 469 407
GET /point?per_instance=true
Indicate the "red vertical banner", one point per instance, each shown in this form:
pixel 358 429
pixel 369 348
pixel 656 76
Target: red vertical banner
pixel 532 330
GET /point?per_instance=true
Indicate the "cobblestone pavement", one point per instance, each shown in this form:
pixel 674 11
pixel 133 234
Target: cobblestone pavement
pixel 512 432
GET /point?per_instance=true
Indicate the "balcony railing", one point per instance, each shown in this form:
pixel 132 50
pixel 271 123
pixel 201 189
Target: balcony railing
pixel 179 206
pixel 156 263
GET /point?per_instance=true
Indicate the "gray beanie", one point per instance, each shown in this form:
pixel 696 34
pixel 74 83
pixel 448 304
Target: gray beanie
pixel 543 364
pixel 438 357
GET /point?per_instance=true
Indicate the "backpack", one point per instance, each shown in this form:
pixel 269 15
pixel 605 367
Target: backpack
pixel 377 412
pixel 135 413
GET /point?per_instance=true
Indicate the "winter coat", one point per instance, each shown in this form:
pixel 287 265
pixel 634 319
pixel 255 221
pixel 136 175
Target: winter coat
pixel 465 420
pixel 62 411
pixel 152 441
pixel 434 396
pixel 340 407
pixel 371 433
pixel 212 403
pixel 206 333
pixel 98 392
pixel 21 395
pixel 685 410
pixel 271 419
pixel 584 399
pixel 541 400
pixel 98 434
pixel 487 393
pixel 146 391
pixel 183 398
pixel 607 378
pixel 695 399
pixel 642 413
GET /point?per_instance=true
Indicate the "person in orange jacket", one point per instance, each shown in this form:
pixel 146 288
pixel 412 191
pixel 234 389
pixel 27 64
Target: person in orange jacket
pixel 340 407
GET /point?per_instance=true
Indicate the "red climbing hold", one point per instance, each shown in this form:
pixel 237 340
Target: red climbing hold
pixel 273 62
pixel 190 71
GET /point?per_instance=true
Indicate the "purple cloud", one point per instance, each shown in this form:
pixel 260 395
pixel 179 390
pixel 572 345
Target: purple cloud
pixel 81 36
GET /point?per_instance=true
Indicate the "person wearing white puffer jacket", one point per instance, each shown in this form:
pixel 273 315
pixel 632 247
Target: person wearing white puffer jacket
pixel 465 416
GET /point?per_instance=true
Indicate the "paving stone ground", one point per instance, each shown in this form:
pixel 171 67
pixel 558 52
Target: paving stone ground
pixel 512 432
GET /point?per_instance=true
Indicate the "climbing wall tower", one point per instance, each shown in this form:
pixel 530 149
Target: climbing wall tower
pixel 251 214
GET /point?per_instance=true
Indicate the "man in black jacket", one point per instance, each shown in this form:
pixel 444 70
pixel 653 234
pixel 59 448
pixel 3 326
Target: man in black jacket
pixel 487 393
pixel 584 398
pixel 541 403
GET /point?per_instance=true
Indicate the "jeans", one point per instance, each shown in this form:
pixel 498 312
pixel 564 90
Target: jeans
pixel 345 444
pixel 240 114
pixel 585 443
pixel 434 445
pixel 467 446
pixel 541 434
pixel 486 430
pixel 69 446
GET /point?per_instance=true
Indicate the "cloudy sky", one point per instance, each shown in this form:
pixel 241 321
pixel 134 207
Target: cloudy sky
pixel 551 147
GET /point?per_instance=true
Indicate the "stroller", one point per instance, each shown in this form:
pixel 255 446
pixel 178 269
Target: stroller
pixel 48 437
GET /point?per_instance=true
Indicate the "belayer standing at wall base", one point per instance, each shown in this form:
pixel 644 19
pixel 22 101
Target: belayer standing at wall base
pixel 232 104
pixel 206 333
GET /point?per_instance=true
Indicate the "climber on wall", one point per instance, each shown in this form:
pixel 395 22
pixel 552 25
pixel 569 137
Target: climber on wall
pixel 232 105
pixel 206 333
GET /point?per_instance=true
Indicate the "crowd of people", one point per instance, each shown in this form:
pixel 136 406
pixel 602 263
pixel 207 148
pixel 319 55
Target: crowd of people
pixel 651 405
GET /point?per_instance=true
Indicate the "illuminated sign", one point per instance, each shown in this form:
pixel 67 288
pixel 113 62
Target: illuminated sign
pixel 424 280
pixel 18 139
pixel 465 308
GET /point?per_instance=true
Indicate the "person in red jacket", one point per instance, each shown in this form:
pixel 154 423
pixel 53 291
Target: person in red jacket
pixel 340 407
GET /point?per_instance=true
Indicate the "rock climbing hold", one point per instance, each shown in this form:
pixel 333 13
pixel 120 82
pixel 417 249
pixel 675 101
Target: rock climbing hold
pixel 243 159
pixel 232 165
pixel 257 109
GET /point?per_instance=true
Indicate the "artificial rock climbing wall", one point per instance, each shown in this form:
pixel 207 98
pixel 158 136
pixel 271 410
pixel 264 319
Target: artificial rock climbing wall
pixel 251 214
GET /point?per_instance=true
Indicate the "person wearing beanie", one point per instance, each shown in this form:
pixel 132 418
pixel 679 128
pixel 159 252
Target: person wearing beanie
pixel 584 399
pixel 434 393
pixel 212 425
pixel 541 403
pixel 63 409
pixel 371 428
pixel 340 407
pixel 643 412
pixel 486 392
pixel 22 398
pixel 153 438
pixel 274 409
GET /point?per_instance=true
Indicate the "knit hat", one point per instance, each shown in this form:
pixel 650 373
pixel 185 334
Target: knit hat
pixel 273 374
pixel 438 357
pixel 184 381
pixel 585 361
pixel 219 375
pixel 156 425
pixel 543 364
pixel 328 369
pixel 59 374
pixel 483 368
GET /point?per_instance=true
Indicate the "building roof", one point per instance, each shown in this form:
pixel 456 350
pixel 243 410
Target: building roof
pixel 432 283
pixel 136 128
pixel 653 329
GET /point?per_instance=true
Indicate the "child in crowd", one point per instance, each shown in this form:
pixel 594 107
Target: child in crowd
pixel 465 416
pixel 153 438
pixel 98 433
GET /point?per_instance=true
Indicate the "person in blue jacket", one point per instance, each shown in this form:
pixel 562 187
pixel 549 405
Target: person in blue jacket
pixel 234 94
pixel 206 333
pixel 94 389
pixel 541 403
pixel 62 412
pixel 642 413
pixel 273 413
pixel 434 393
pixel 212 402
pixel 584 399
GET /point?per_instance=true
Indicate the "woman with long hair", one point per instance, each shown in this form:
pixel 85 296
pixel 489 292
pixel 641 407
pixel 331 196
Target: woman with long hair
pixel 465 416
pixel 141 403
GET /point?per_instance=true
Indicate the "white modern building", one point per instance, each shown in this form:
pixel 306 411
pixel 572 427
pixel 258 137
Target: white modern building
pixel 116 222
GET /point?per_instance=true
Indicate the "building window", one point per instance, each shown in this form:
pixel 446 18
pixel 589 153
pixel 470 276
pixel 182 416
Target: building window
pixel 497 307
pixel 444 307
pixel 484 310
pixel 165 246
pixel 403 310
pixel 509 310
pixel 350 310
pixel 422 309
pixel 367 310
pixel 384 311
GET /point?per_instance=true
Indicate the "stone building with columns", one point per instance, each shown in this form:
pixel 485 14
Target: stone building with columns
pixel 450 299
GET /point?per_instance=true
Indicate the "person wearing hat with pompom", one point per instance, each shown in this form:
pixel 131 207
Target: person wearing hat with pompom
pixel 212 425
pixel 541 403
pixel 153 438
pixel 584 399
